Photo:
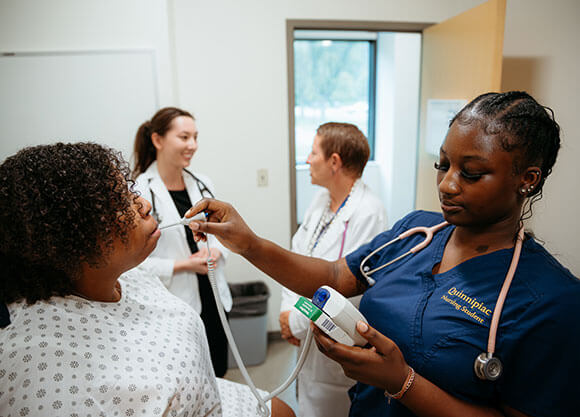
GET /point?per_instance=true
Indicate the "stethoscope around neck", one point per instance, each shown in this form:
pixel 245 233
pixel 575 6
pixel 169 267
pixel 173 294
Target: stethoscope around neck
pixel 487 367
pixel 200 186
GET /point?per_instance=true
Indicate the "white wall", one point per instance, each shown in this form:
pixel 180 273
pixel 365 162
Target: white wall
pixel 398 83
pixel 231 71
pixel 71 94
pixel 69 25
pixel 226 62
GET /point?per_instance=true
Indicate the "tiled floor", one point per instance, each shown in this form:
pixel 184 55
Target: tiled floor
pixel 280 362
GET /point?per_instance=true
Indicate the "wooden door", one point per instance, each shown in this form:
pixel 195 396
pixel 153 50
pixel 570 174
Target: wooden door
pixel 462 58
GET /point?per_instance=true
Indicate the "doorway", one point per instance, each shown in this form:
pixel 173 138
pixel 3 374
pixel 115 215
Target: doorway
pixel 365 74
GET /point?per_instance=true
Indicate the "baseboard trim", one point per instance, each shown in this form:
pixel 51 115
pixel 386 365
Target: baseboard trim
pixel 274 335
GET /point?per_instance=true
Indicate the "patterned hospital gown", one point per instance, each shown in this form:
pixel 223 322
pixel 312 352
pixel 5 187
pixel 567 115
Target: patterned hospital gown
pixel 146 355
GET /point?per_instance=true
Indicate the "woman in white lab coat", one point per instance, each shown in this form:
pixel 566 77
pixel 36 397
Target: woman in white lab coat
pixel 163 150
pixel 342 216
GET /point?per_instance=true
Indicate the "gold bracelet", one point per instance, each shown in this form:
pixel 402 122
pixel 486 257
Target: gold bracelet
pixel 406 386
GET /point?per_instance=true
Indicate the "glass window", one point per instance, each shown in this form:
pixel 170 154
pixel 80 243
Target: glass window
pixel 332 82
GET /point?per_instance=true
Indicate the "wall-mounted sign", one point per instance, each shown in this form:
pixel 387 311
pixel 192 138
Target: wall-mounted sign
pixel 439 114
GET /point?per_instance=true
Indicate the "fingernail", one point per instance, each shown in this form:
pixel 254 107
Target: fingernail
pixel 362 327
pixel 194 226
pixel 187 212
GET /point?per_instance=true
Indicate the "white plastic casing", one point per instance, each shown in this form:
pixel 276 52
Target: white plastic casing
pixel 344 314
pixel 198 216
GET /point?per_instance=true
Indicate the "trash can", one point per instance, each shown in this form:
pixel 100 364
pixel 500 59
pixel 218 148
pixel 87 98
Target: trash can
pixel 249 322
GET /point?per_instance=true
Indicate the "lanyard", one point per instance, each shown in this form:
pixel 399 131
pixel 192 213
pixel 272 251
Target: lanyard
pixel 322 227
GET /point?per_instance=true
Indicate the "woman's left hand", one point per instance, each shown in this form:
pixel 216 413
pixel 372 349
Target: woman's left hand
pixel 382 365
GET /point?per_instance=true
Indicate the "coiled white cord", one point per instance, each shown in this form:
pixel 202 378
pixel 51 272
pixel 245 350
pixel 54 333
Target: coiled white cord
pixel 262 408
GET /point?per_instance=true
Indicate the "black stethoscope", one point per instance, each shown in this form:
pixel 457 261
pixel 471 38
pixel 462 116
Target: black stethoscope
pixel 200 186
pixel 487 367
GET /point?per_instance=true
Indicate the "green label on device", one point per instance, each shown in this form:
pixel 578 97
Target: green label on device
pixel 305 306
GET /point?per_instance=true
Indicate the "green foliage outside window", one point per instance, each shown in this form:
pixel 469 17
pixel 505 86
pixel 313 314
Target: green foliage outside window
pixel 331 83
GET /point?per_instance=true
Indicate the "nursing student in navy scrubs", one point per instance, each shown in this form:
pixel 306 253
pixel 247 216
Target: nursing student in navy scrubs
pixel 430 313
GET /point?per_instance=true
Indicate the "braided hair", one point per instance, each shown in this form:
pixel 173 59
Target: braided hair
pixel 522 125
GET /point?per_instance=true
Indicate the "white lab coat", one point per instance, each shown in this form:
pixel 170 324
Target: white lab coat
pixel 322 385
pixel 172 244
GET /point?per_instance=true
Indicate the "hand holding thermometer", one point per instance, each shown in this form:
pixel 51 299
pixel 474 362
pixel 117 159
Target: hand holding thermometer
pixel 184 221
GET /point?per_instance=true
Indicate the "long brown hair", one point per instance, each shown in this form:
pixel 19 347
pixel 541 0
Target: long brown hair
pixel 144 151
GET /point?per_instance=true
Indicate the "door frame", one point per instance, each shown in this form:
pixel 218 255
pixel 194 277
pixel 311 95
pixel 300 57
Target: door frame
pixel 291 26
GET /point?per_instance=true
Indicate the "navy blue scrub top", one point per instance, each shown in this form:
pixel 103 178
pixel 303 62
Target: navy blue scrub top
pixel 441 323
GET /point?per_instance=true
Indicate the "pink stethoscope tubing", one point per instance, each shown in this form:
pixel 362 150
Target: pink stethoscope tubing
pixel 429 232
pixel 343 239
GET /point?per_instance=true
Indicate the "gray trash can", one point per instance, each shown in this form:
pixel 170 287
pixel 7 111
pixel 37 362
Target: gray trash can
pixel 249 322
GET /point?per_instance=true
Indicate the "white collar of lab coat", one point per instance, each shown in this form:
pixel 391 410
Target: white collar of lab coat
pixel 356 194
pixel 162 196
pixel 333 235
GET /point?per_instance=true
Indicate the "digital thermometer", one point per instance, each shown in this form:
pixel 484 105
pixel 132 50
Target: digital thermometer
pixel 322 321
pixel 184 221
pixel 339 311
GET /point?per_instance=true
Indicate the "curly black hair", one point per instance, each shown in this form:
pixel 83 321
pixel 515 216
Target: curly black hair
pixel 523 126
pixel 61 205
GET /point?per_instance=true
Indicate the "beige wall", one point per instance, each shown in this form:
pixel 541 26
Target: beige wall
pixel 462 58
pixel 540 56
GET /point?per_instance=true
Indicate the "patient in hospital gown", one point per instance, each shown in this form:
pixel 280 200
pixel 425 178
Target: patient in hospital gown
pixel 146 355
pixel 91 334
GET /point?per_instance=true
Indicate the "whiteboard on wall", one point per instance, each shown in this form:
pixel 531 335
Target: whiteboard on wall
pixel 97 96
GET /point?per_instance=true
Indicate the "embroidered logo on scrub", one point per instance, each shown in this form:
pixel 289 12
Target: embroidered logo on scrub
pixel 469 305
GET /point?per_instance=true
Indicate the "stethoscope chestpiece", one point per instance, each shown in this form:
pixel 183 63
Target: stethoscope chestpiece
pixel 487 367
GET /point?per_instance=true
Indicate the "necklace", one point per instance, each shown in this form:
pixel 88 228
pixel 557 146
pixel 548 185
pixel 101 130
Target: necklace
pixel 323 224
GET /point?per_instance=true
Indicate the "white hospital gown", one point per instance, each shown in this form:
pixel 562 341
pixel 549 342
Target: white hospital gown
pixel 145 355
